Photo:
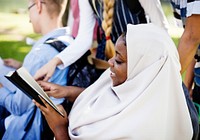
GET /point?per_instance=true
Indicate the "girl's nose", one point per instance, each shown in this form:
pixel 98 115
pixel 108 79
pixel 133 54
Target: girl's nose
pixel 111 62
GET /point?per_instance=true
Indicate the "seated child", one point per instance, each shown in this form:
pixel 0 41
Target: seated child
pixel 24 120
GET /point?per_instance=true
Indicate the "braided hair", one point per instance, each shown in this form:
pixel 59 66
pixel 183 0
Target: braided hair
pixel 108 14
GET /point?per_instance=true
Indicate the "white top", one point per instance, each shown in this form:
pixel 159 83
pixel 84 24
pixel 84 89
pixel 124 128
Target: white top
pixel 193 8
pixel 149 105
pixel 84 38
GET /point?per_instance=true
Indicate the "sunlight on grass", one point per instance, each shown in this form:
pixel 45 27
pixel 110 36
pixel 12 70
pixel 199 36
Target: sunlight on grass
pixel 14 49
pixel 14 29
pixel 167 8
pixel 176 40
pixel 174 30
pixel 24 49
pixel 7 37
pixel 20 24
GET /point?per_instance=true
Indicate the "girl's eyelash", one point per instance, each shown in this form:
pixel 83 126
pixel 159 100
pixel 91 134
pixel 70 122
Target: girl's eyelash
pixel 118 62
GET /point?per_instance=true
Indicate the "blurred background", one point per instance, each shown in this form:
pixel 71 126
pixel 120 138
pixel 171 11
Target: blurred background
pixel 15 27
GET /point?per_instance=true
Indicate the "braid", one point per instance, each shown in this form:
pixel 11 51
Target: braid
pixel 107 26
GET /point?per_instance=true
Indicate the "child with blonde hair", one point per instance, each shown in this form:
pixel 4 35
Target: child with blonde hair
pixel 19 118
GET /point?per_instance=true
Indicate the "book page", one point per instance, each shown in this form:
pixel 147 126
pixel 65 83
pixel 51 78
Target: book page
pixel 29 79
pixel 24 74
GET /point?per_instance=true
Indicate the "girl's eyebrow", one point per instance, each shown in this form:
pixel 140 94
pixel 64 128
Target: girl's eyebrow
pixel 120 55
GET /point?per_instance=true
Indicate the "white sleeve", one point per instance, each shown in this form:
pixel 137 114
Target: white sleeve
pixel 193 8
pixel 155 12
pixel 83 41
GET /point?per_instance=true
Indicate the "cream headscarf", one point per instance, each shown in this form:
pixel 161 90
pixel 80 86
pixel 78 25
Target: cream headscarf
pixel 149 105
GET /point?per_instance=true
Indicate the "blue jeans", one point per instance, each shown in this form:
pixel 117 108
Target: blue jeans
pixel 193 113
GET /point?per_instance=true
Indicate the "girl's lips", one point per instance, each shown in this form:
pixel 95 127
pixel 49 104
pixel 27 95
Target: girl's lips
pixel 112 74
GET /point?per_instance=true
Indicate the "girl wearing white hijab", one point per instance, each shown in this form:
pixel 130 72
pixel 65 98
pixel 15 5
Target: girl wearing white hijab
pixel 139 98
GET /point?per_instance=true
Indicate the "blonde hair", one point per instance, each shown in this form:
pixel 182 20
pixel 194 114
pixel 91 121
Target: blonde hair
pixel 56 7
pixel 108 14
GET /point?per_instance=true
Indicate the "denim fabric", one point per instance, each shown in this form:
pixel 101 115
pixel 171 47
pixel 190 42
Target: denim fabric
pixel 197 76
pixel 197 68
pixel 193 113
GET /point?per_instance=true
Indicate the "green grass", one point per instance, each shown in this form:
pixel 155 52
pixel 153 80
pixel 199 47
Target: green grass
pixel 176 40
pixel 167 8
pixel 13 32
pixel 14 49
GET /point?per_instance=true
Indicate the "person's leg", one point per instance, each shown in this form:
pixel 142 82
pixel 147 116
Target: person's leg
pixel 3 114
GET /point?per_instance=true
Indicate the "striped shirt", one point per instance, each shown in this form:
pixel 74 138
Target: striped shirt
pixel 185 8
pixel 122 17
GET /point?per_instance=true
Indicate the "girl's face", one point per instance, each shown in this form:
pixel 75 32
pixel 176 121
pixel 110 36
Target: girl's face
pixel 34 15
pixel 118 64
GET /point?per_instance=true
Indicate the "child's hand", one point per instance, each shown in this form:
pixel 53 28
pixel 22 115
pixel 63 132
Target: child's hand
pixel 47 70
pixel 54 90
pixel 12 63
pixel 54 119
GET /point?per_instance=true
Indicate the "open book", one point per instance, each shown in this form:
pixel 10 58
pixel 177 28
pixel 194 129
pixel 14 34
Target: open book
pixel 25 82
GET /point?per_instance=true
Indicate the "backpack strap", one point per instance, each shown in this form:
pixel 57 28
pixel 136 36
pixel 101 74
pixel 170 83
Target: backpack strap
pixel 75 67
pixel 55 43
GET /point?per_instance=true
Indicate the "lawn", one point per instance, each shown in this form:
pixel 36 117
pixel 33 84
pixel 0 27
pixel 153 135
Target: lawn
pixel 14 30
pixel 15 27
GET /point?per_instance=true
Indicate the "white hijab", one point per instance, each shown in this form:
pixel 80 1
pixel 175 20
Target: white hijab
pixel 149 105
